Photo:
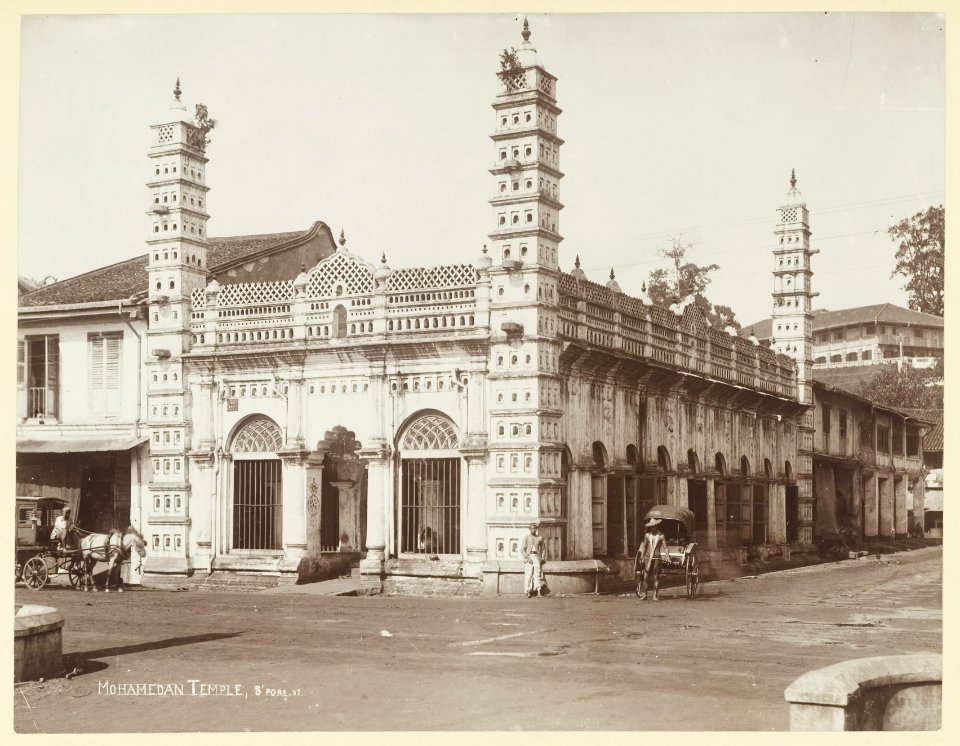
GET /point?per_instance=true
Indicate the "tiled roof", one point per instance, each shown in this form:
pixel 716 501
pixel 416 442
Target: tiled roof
pixel 933 440
pixel 848 378
pixel 128 278
pixel 882 313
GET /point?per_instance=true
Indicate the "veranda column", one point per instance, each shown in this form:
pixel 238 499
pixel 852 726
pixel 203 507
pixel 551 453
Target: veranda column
pixel 379 494
pixel 711 515
pixel 871 504
pixel 475 509
pixel 900 506
pixel 777 513
pixel 885 500
pixel 677 490
pixel 579 515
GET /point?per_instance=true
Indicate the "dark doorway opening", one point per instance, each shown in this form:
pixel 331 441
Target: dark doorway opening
pixel 793 513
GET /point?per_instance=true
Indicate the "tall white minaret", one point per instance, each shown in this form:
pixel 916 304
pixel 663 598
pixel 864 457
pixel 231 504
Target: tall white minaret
pixel 525 443
pixel 177 266
pixel 792 328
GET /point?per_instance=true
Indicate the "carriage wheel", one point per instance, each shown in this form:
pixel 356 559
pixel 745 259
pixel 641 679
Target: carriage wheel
pixel 35 573
pixel 693 577
pixel 76 573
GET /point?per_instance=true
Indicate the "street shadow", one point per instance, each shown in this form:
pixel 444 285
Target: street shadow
pixel 84 657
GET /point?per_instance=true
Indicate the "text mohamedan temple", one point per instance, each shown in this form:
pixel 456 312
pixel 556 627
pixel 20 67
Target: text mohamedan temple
pixel 249 401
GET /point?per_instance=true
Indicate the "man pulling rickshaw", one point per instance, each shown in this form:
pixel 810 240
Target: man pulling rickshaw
pixel 653 550
pixel 667 548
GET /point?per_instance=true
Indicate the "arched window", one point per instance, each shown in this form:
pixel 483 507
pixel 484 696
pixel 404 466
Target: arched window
pixel 663 458
pixel 788 470
pixel 693 461
pixel 257 486
pixel 720 464
pixel 744 466
pixel 599 455
pixel 339 322
pixel 429 499
pixel 767 469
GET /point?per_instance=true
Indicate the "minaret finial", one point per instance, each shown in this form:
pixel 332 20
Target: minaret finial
pixel 526 30
pixel 383 258
pixel 612 276
pixel 176 89
pixel 343 239
pixel 576 262
pixel 793 179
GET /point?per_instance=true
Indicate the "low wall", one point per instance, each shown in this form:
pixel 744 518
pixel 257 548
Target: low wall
pixel 892 692
pixel 565 576
pixel 37 643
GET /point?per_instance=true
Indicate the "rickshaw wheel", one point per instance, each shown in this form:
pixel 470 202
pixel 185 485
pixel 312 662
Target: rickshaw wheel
pixel 693 577
pixel 35 573
pixel 76 573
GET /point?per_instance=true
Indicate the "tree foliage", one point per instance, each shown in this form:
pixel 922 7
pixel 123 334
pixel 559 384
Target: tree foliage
pixel 919 258
pixel 687 279
pixel 204 122
pixel 509 63
pixel 919 388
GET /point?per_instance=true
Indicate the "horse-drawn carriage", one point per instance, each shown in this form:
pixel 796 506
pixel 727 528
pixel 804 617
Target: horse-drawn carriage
pixel 680 557
pixel 38 556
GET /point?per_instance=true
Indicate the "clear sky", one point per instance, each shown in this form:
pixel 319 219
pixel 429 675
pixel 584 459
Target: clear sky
pixel 675 124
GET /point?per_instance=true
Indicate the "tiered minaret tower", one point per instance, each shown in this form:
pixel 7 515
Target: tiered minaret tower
pixel 792 330
pixel 525 441
pixel 177 242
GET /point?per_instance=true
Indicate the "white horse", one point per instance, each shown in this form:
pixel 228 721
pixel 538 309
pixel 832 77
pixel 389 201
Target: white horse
pixel 112 548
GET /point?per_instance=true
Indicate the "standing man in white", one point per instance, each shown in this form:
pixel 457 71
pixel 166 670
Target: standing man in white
pixel 532 548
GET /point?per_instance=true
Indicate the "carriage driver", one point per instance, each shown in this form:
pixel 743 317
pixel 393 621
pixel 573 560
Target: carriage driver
pixel 63 529
pixel 652 552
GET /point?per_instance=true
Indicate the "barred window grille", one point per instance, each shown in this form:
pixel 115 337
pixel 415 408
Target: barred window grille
pixel 257 504
pixel 257 486
pixel 429 515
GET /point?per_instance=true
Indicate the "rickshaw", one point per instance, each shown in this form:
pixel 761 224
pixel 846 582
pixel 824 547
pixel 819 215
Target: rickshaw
pixel 677 526
pixel 37 556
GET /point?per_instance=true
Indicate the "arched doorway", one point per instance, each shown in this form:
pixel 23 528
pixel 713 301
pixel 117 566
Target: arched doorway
pixel 257 515
pixel 342 492
pixel 428 515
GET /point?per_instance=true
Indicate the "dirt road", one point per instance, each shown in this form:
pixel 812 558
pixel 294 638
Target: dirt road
pixel 157 660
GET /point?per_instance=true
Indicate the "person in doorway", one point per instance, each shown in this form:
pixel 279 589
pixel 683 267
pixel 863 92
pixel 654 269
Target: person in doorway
pixel 652 552
pixel 532 550
pixel 63 529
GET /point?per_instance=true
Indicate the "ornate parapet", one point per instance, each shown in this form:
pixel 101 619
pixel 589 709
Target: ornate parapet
pixel 591 314
pixel 342 297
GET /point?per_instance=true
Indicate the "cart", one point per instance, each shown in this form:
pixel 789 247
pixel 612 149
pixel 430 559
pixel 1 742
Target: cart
pixel 37 557
pixel 681 560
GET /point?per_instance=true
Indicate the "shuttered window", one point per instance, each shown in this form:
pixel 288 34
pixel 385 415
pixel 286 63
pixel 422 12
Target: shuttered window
pixel 104 373
pixel 21 363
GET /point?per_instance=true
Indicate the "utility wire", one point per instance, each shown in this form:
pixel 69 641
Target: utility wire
pixel 751 221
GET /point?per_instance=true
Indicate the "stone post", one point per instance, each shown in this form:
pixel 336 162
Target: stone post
pixel 475 454
pixel 379 495
pixel 294 536
pixel 313 478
